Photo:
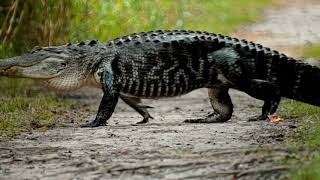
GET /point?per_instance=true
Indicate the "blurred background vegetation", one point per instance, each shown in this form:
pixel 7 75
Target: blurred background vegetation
pixel 28 23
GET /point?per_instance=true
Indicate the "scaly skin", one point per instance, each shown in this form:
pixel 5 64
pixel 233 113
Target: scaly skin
pixel 171 63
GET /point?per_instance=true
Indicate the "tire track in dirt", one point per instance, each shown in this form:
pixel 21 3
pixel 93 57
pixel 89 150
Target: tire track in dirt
pixel 165 148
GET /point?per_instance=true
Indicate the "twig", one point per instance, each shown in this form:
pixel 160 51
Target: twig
pixel 11 21
pixel 20 20
pixel 4 25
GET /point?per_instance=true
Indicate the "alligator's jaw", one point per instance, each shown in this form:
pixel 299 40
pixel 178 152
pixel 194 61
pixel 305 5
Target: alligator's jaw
pixel 52 81
pixel 10 73
pixel 18 61
pixel 57 82
pixel 27 72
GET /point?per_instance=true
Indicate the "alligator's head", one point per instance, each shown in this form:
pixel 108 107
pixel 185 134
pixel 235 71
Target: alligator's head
pixel 62 67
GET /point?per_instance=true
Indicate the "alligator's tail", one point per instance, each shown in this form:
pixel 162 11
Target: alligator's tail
pixel 300 81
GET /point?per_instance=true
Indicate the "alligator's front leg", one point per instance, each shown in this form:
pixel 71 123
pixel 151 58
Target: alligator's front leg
pixel 106 108
pixel 109 100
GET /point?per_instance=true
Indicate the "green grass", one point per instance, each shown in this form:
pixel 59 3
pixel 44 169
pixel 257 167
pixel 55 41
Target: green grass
pixel 308 134
pixel 311 52
pixel 310 171
pixel 24 107
pixel 308 120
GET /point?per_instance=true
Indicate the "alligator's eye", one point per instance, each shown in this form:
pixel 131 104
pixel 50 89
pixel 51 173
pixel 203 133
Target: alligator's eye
pixel 35 49
pixel 63 64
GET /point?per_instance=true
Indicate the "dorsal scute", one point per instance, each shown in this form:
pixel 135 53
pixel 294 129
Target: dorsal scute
pixel 157 37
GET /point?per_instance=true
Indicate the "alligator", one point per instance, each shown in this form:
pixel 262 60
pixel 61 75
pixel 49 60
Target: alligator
pixel 168 63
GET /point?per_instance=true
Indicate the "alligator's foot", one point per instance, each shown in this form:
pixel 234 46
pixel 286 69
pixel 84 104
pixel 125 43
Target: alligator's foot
pixel 258 118
pixel 92 124
pixel 212 118
pixel 145 120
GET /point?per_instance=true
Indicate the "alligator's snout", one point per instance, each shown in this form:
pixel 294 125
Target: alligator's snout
pixel 10 62
pixel 13 67
pixel 11 72
pixel 30 66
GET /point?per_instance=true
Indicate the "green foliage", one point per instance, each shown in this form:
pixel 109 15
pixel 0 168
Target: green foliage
pixel 105 20
pixel 41 19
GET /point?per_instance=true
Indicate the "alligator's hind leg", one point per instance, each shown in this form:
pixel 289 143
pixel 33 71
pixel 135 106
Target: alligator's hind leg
pixel 268 92
pixel 221 104
pixel 141 109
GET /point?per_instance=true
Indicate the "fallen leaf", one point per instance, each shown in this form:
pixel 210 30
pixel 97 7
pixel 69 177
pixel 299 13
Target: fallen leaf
pixel 276 118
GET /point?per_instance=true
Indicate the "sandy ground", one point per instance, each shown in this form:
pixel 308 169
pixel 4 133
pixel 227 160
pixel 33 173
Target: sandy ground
pixel 164 148
pixel 167 148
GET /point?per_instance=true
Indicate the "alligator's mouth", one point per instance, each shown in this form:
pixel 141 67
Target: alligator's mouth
pixel 33 72
pixel 27 66
pixel 52 72
pixel 18 61
pixel 53 81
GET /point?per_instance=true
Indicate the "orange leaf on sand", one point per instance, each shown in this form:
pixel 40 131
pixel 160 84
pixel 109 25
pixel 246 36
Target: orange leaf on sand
pixel 276 118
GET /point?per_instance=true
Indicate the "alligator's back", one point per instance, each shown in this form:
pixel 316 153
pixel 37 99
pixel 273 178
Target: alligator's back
pixel 163 64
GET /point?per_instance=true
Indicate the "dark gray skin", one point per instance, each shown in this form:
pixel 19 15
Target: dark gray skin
pixel 161 64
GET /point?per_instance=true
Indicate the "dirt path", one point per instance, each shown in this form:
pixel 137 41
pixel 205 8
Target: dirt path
pixel 166 148
pixel 294 23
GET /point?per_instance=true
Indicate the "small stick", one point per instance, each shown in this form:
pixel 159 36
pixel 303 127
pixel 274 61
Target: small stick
pixel 15 6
